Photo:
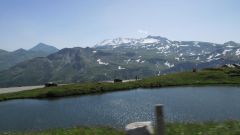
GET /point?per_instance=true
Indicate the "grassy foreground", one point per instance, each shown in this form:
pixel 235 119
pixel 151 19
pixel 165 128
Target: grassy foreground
pixel 204 77
pixel 71 131
pixel 226 128
pixel 210 128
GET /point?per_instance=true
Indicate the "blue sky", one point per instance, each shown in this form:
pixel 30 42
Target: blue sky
pixel 69 23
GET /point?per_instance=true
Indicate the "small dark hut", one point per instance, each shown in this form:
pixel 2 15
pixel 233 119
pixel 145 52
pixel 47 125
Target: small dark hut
pixel 51 84
pixel 117 80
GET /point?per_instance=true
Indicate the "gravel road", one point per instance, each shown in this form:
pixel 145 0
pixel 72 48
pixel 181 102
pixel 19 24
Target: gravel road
pixel 16 89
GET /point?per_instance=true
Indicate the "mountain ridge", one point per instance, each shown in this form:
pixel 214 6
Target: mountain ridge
pixel 124 59
pixel 44 48
pixel 9 59
pixel 123 40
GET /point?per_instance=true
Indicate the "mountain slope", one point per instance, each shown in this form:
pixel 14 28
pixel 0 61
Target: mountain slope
pixel 9 59
pixel 122 58
pixel 71 65
pixel 41 47
pixel 2 52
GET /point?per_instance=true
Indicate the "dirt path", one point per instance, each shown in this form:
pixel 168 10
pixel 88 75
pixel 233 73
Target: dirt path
pixel 16 89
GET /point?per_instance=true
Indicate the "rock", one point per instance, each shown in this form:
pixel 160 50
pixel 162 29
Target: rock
pixel 236 65
pixel 232 65
pixel 139 128
pixel 229 66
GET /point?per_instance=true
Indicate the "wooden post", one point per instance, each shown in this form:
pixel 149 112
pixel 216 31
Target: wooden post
pixel 160 126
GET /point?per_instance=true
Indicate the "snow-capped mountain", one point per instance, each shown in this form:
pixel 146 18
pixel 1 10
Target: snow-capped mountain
pixel 122 58
pixel 200 51
pixel 166 55
pixel 117 41
pixel 132 41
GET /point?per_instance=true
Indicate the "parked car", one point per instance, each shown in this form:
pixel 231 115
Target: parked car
pixel 51 84
pixel 117 80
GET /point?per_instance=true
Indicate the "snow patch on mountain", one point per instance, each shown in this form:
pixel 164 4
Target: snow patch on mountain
pixel 198 58
pixel 101 63
pixel 196 44
pixel 218 54
pixel 209 58
pixel 225 51
pixel 127 61
pixel 138 60
pixel 168 41
pixel 183 45
pixel 230 46
pixel 238 52
pixel 150 41
pixel 117 41
pixel 121 68
pixel 168 64
pixel 191 54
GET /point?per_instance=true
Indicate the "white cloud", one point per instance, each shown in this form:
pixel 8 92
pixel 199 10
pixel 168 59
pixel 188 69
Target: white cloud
pixel 144 32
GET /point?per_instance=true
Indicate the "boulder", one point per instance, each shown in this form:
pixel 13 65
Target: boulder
pixel 139 128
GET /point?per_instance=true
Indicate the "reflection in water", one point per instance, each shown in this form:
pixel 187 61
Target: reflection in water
pixel 120 108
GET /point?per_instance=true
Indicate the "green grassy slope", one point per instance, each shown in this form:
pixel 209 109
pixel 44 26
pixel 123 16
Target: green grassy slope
pixel 72 131
pixel 203 77
pixel 210 128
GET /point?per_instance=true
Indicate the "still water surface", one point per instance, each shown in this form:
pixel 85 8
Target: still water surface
pixel 182 104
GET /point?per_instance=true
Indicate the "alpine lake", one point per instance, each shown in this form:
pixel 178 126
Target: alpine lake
pixel 117 109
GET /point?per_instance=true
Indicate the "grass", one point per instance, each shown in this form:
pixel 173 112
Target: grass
pixel 226 76
pixel 209 128
pixel 71 131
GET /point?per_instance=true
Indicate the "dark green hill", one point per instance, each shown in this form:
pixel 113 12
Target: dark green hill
pixel 44 48
pixel 9 59
pixel 122 58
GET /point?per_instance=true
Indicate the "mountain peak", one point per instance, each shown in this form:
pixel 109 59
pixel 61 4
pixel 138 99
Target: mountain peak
pixel 133 41
pixel 42 44
pixel 20 50
pixel 3 51
pixel 41 47
pixel 116 41
pixel 230 43
pixel 156 37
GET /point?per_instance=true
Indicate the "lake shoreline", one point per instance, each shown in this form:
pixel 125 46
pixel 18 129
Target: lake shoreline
pixel 206 77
